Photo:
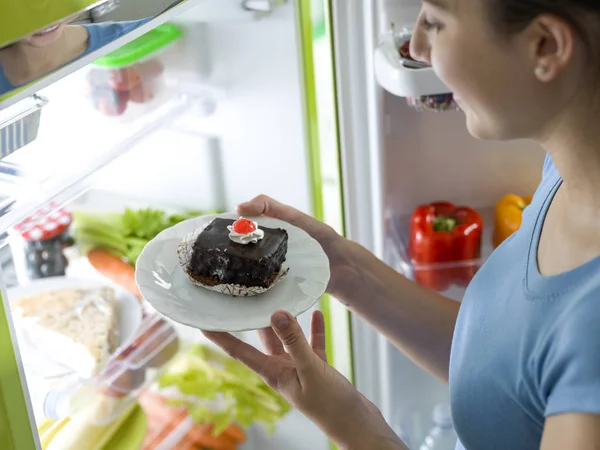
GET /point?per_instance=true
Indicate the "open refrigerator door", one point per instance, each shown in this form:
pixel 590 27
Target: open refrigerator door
pixel 420 153
pixel 188 113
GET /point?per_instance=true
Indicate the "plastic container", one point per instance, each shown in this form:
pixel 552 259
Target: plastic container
pixel 433 103
pixel 19 124
pixel 131 79
pixel 400 75
pixel 450 278
pixel 442 436
pixel 125 377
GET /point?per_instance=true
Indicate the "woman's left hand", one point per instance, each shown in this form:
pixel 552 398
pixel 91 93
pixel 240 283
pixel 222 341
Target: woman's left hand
pixel 300 372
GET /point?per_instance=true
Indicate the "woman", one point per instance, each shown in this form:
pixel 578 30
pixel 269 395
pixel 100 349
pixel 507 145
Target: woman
pixel 524 371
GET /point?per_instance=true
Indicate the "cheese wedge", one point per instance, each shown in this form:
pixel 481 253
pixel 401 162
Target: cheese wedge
pixel 75 327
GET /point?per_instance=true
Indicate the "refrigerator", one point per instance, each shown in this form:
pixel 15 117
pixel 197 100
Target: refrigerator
pixel 303 100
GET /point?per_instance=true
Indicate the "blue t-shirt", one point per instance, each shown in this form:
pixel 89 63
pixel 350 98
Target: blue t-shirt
pixel 99 35
pixel 526 346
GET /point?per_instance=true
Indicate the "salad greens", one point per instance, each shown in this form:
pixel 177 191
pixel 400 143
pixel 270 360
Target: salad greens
pixel 125 234
pixel 215 389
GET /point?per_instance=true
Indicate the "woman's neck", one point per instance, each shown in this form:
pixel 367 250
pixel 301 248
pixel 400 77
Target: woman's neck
pixel 23 63
pixel 574 145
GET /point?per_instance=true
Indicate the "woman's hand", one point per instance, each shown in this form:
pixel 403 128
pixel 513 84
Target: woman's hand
pixel 339 250
pixel 299 371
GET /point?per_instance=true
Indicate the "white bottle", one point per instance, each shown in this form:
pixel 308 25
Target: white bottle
pixel 442 436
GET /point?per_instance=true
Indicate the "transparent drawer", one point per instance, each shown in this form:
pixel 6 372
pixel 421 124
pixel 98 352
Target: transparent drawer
pixel 106 397
pixel 450 277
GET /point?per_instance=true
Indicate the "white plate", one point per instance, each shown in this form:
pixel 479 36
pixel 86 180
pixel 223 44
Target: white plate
pixel 42 365
pixel 167 288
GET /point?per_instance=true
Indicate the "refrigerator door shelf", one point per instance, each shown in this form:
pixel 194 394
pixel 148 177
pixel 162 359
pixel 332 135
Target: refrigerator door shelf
pixel 402 81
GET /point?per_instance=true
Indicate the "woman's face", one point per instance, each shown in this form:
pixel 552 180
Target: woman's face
pixel 47 36
pixel 491 75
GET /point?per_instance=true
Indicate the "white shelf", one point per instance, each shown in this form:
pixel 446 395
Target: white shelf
pixel 58 174
pixel 400 80
pixel 230 10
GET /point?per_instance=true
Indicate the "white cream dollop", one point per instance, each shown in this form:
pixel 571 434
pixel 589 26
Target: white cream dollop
pixel 246 239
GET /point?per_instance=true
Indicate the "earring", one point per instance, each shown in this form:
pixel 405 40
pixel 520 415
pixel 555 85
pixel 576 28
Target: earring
pixel 541 70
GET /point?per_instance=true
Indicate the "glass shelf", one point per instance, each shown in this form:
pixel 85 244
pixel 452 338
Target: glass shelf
pixel 74 142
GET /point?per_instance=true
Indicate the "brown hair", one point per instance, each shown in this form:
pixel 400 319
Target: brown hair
pixel 515 15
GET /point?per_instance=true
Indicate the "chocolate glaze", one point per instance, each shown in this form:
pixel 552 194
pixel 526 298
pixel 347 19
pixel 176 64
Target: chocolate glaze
pixel 216 259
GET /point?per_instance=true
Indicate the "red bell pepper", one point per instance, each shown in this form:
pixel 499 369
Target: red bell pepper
pixel 442 234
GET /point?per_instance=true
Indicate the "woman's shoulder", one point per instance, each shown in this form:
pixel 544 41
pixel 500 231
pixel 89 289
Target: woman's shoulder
pixel 104 33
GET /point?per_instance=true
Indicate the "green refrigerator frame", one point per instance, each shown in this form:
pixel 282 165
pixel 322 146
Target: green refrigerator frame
pixel 17 425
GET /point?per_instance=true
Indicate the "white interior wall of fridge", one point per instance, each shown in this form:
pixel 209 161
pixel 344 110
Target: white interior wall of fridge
pixel 256 132
pixel 429 157
pixel 258 124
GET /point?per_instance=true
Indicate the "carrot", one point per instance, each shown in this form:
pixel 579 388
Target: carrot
pixel 203 436
pixel 157 409
pixel 165 418
pixel 115 269
pixel 187 445
pixel 235 432
pixel 170 427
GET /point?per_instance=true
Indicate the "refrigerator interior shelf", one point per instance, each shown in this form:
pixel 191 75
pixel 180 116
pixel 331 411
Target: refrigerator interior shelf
pixel 231 10
pixel 41 184
pixel 449 278
pixel 400 80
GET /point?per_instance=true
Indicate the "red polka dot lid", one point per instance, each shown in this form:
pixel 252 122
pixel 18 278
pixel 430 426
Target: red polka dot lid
pixel 47 223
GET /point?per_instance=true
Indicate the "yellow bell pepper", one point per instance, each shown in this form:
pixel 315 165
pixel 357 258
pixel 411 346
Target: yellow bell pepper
pixel 508 216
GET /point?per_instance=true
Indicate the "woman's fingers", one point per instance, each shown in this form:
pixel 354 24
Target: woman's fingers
pixel 317 335
pixel 270 342
pixel 291 335
pixel 266 206
pixel 263 205
pixel 244 353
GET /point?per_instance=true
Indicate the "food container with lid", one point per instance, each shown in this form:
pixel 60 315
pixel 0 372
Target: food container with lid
pixel 131 79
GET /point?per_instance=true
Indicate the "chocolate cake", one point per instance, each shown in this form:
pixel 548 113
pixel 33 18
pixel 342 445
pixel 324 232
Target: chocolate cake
pixel 216 259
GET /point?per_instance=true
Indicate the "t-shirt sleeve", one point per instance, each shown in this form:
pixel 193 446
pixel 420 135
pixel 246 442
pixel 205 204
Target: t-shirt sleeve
pixel 101 34
pixel 549 167
pixel 571 372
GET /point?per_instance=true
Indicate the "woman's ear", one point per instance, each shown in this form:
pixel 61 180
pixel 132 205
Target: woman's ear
pixel 552 46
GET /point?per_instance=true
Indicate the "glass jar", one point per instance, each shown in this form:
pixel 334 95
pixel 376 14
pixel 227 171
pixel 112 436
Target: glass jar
pixel 45 235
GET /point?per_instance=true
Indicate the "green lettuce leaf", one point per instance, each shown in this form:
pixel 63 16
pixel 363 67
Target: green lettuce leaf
pixel 220 391
pixel 126 234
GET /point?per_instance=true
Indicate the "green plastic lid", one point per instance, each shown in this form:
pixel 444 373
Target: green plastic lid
pixel 140 48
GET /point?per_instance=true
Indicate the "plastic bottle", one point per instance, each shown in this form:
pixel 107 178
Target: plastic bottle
pixel 442 436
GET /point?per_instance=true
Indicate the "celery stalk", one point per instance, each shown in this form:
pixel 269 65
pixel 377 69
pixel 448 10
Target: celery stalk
pixel 219 390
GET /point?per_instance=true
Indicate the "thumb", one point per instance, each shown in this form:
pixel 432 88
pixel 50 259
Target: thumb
pixel 261 205
pixel 290 333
